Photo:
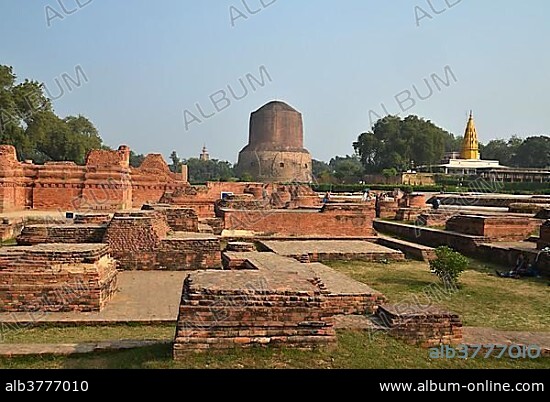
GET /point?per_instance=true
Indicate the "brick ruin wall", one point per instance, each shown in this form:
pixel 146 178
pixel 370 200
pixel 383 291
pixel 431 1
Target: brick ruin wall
pixel 140 240
pixel 179 219
pixel 68 234
pixel 106 182
pixel 333 220
pixel 242 318
pixel 277 301
pixel 495 228
pixel 473 246
pixel 144 241
pixel 56 277
pixel 426 327
pixel 204 198
pixel 466 244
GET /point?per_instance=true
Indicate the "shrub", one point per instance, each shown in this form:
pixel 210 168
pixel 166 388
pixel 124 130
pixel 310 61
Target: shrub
pixel 448 265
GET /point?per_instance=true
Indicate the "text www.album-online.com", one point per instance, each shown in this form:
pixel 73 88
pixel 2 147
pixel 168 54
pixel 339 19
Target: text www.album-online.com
pixel 485 386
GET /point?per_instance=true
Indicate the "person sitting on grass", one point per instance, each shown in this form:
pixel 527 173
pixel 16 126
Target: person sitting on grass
pixel 519 268
pixel 523 268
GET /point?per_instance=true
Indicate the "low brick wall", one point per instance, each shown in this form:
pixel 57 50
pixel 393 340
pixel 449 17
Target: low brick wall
pixel 333 220
pixel 409 214
pixel 56 277
pixel 277 301
pixel 92 219
pixel 466 244
pixel 215 223
pixel 81 233
pixel 496 228
pixel 222 319
pixel 179 219
pixel 432 219
pixel 411 250
pixel 141 241
pixel 425 327
pixel 387 209
pixel 240 247
pixel 184 253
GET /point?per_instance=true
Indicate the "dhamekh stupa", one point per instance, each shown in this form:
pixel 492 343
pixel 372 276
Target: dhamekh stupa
pixel 275 150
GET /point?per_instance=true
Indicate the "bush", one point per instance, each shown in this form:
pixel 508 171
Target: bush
pixel 448 265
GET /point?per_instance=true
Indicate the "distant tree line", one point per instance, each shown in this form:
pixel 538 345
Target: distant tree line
pixel 395 144
pixel 531 152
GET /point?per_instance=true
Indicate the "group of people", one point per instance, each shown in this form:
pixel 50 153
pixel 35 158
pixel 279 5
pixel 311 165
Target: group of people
pixel 523 267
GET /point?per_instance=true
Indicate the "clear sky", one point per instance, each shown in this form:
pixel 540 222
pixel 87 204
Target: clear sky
pixel 146 62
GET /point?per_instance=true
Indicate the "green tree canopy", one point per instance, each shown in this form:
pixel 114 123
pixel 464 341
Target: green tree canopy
pixel 322 172
pixel 501 150
pixel 534 152
pixel 401 143
pixel 347 169
pixel 136 159
pixel 28 122
pixel 211 170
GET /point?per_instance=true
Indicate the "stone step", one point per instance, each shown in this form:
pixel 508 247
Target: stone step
pixel 411 250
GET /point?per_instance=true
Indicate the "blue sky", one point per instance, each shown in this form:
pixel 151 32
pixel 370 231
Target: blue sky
pixel 146 62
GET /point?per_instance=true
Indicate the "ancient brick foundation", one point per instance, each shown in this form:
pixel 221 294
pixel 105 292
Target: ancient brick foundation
pixel 91 219
pixel 228 318
pixel 434 218
pixel 276 301
pixel 426 327
pixel 68 234
pixel 56 277
pixel 466 244
pixel 331 250
pixel 143 241
pixel 333 220
pixel 180 219
pixel 387 209
pixel 494 228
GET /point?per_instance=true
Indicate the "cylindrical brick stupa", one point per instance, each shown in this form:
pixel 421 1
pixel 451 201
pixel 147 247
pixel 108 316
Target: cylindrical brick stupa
pixel 275 150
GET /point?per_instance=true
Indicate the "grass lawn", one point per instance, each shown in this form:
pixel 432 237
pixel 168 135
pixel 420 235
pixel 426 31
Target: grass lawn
pixel 83 334
pixel 484 300
pixel 354 350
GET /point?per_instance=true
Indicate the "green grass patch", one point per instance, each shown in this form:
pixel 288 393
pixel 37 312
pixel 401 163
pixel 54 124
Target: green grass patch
pixel 82 334
pixel 354 350
pixel 483 300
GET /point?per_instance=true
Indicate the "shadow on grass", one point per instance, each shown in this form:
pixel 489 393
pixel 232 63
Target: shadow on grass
pixel 133 358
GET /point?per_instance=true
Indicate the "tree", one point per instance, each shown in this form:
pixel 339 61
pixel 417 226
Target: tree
pixel 534 152
pixel 83 137
pixel 389 173
pixel 400 143
pixel 201 171
pixel 136 159
pixel 322 172
pixel 176 162
pixel 347 169
pixel 453 143
pixel 28 122
pixel 502 150
pixel 448 266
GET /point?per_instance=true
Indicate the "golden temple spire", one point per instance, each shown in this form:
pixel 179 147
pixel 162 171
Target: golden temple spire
pixel 470 146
